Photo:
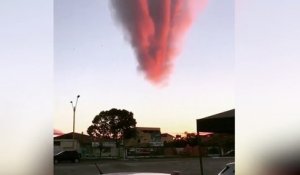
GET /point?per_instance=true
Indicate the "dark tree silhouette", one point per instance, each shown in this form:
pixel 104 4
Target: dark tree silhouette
pixel 113 124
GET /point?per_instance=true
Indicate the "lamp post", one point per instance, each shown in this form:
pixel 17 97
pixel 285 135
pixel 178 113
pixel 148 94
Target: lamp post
pixel 74 110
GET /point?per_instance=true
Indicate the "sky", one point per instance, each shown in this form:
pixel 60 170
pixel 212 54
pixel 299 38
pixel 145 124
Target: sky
pixel 93 59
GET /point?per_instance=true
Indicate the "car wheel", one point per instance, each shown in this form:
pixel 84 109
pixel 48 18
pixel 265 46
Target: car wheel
pixel 76 160
pixel 55 161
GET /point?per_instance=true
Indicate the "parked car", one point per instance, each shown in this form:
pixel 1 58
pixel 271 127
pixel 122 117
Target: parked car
pixel 228 170
pixel 73 156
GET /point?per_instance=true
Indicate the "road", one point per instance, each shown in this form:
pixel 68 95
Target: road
pixel 187 166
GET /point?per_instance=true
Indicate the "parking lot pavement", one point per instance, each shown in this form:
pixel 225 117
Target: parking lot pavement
pixel 187 166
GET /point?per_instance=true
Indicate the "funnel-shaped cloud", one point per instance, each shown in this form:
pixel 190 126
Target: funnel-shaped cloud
pixel 155 29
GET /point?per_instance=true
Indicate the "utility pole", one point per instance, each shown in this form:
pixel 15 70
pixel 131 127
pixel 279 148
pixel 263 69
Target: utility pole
pixel 74 110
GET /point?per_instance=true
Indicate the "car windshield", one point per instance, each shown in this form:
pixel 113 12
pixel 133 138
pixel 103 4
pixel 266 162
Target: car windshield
pixel 225 169
pixel 59 153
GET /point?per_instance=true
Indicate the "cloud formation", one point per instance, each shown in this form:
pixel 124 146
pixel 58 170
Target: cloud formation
pixel 155 29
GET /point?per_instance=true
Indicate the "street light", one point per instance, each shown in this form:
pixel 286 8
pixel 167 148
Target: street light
pixel 74 110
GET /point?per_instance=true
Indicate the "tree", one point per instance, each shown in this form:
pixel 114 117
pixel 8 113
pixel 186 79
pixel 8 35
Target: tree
pixel 113 124
pixel 191 139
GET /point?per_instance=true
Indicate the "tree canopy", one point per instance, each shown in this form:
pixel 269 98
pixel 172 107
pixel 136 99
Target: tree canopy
pixel 113 124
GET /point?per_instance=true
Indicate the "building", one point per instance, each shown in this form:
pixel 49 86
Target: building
pixel 64 142
pixel 223 122
pixel 86 145
pixel 147 142
pixel 145 137
pixel 165 137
